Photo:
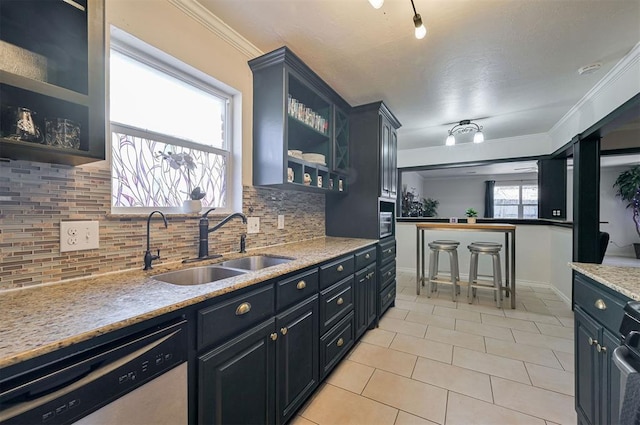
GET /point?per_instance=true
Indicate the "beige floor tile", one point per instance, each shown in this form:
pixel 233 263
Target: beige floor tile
pixel 561 312
pixel 457 338
pixel 415 306
pixel 537 307
pixel 423 348
pixel 406 296
pixel 524 352
pixel 463 410
pixel 554 330
pixel 400 326
pixel 405 418
pixel 384 358
pixel 417 398
pixel 454 378
pixel 333 405
pixel 471 316
pixel 490 364
pixel 396 313
pixel 299 420
pixel 431 319
pixel 484 330
pixel 488 308
pixel 532 316
pixel 440 299
pixel 551 379
pixel 546 341
pixel 566 321
pixel 351 376
pixel 567 360
pixel 379 337
pixel 545 404
pixel 506 322
pixel 407 290
pixel 556 304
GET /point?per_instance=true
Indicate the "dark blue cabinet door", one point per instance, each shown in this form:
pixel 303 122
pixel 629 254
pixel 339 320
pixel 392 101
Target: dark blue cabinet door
pixel 610 395
pixel 586 368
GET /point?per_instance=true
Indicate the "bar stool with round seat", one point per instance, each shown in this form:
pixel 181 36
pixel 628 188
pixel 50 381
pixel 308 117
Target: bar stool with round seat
pixel 489 248
pixel 451 248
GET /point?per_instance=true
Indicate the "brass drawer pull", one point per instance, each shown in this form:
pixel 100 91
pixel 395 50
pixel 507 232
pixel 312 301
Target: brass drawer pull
pixel 340 268
pixel 243 308
pixel 601 348
pixel 274 336
pixel 301 285
pixel 389 251
pixel 284 330
pixel 592 341
pixel 340 342
pixel 367 256
pixel 340 301
pixel 600 305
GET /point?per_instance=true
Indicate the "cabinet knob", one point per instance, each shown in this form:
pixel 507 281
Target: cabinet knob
pixel 600 304
pixel 243 308
pixel 592 341
pixel 367 256
pixel 340 301
pixel 340 268
pixel 284 331
pixel 388 273
pixel 601 348
pixel 273 336
pixel 389 296
pixel 340 342
pixel 389 251
pixel 301 285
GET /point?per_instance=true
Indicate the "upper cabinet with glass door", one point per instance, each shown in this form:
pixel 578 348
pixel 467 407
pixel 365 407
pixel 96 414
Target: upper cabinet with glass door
pixel 300 126
pixel 52 80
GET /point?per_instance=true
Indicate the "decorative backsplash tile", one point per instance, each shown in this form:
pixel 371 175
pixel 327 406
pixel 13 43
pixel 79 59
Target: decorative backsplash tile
pixel 35 197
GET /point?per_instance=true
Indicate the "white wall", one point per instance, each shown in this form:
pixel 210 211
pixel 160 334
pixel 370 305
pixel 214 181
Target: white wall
pixel 620 224
pixel 560 254
pixel 414 180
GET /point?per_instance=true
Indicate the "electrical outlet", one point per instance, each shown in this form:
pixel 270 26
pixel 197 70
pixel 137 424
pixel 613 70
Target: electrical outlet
pixel 79 235
pixel 280 221
pixel 253 224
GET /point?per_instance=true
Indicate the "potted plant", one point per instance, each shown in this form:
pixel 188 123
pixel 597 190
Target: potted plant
pixel 430 207
pixel 471 215
pixel 184 163
pixel 628 189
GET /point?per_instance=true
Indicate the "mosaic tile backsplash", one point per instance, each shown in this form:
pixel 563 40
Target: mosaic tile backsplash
pixel 35 197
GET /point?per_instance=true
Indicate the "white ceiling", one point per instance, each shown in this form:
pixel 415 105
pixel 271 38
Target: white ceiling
pixel 509 64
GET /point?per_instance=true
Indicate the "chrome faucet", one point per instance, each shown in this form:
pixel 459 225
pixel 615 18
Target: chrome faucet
pixel 204 230
pixel 148 257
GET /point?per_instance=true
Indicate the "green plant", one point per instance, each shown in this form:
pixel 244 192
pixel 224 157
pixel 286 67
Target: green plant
pixel 470 212
pixel 628 189
pixel 429 207
pixel 179 160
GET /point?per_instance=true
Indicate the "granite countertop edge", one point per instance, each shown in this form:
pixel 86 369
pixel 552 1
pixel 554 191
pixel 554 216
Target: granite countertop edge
pixel 34 325
pixel 625 280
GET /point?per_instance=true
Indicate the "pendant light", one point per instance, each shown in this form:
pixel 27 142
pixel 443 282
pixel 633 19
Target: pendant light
pixel 377 4
pixel 420 29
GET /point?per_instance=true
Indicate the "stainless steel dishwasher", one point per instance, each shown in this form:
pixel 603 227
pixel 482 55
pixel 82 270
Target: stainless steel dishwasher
pixel 626 357
pixel 138 379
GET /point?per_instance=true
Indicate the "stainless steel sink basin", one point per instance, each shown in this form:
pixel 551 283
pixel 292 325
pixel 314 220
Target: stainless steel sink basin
pixel 198 275
pixel 255 262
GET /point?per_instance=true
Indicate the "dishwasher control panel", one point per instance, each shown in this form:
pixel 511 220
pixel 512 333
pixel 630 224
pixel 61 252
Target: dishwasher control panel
pixel 68 391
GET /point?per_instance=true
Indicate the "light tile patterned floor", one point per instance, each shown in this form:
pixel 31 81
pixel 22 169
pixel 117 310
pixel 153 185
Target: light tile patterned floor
pixel 433 361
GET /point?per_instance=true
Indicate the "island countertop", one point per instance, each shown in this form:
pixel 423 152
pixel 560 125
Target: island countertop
pixel 39 320
pixel 625 280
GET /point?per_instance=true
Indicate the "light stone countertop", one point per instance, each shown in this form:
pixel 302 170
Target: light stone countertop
pixel 625 280
pixel 39 320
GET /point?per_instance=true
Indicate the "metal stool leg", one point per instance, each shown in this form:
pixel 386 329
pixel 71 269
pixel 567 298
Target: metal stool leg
pixel 454 273
pixel 432 267
pixel 473 273
pixel 497 279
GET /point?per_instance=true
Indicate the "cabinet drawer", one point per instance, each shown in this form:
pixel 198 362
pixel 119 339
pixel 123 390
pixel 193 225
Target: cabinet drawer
pixel 387 297
pixel 603 306
pixel 335 344
pixel 335 303
pixel 387 251
pixel 365 257
pixel 336 270
pixel 387 274
pixel 296 288
pixel 225 319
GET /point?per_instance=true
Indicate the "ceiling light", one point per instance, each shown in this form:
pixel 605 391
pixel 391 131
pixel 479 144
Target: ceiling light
pixel 377 4
pixel 590 69
pixel 420 30
pixel 465 126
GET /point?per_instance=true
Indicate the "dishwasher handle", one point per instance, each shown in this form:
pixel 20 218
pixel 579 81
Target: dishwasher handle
pixel 619 357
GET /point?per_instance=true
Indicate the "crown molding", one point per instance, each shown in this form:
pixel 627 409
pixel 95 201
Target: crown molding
pixel 204 16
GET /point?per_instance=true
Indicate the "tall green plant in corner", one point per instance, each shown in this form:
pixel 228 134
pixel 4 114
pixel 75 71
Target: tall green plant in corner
pixel 628 189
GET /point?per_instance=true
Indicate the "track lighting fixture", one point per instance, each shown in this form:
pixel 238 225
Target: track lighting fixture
pixel 465 126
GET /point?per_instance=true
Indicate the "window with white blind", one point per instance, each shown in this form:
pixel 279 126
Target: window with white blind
pixel 515 200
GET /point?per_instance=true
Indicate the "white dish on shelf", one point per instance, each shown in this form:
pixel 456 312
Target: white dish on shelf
pixel 314 157
pixel 295 154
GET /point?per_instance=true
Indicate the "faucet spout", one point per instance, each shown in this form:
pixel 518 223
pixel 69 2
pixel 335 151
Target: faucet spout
pixel 148 257
pixel 227 219
pixel 204 230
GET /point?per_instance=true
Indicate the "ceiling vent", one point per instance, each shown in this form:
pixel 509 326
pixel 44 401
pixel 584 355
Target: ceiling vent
pixel 590 69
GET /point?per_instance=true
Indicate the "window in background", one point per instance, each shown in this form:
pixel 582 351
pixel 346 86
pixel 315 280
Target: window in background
pixel 515 200
pixel 157 109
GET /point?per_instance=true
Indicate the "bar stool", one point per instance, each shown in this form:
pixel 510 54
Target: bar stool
pixel 451 248
pixel 493 249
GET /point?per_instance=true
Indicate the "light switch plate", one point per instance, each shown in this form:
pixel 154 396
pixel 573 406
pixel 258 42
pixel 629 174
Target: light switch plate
pixel 79 235
pixel 280 221
pixel 253 224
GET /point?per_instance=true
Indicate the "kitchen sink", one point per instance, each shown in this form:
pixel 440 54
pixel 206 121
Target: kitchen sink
pixel 198 275
pixel 255 262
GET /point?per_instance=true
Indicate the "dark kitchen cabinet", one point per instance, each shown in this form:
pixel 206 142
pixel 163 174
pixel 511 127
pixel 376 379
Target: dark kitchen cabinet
pixel 365 303
pixel 53 70
pixel 373 186
pixel 386 275
pixel 295 110
pixel 598 313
